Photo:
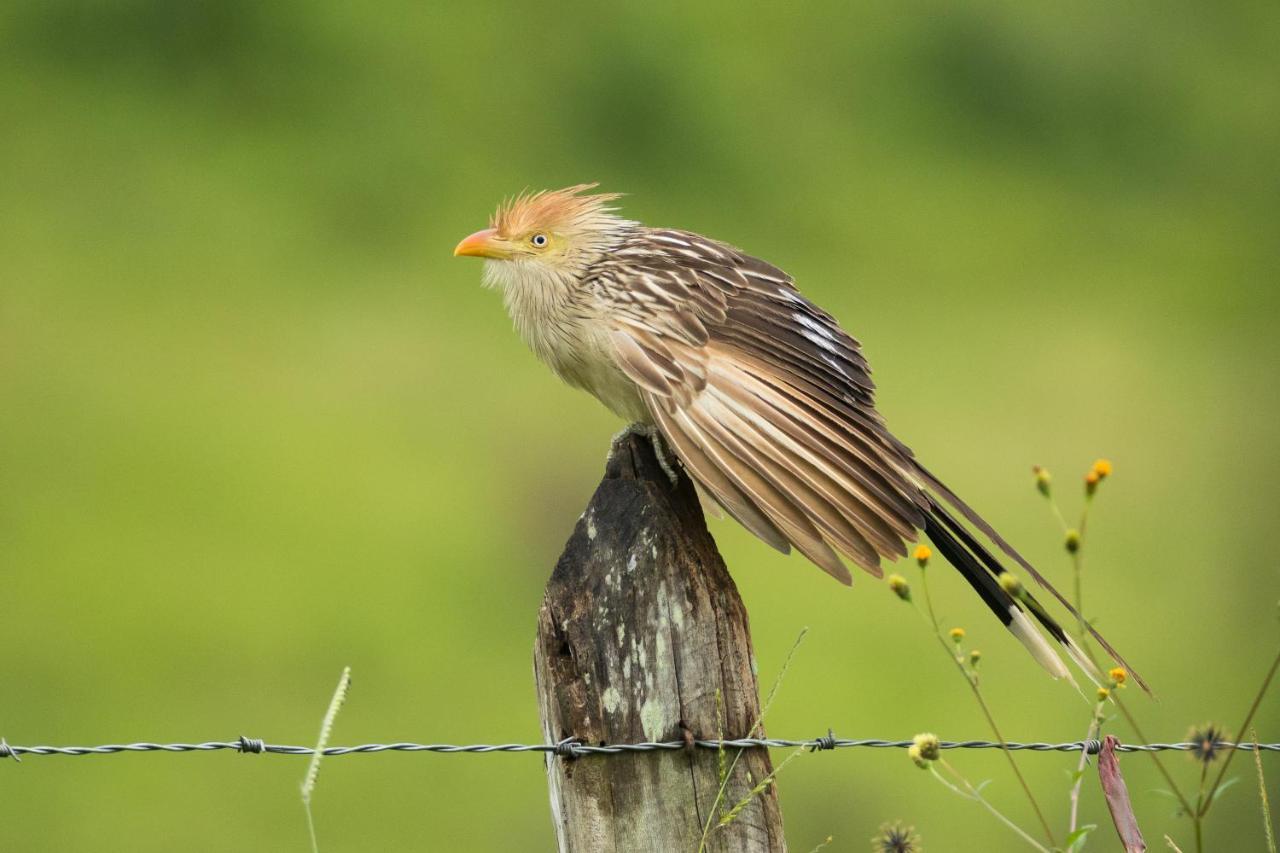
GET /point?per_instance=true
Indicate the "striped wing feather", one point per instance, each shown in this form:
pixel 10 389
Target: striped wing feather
pixel 769 404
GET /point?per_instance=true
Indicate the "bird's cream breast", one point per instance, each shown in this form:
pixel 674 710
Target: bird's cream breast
pixel 564 327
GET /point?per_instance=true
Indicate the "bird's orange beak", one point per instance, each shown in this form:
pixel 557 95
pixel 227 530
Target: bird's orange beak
pixel 482 244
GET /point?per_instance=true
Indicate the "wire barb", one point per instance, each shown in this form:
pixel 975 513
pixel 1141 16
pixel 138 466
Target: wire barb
pixel 250 745
pixel 7 751
pixel 827 742
pixel 569 748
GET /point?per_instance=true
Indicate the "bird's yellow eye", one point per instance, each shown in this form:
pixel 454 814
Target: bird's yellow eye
pixel 538 241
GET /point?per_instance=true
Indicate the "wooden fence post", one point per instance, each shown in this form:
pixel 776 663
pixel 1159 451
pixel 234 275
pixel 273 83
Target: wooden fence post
pixel 640 627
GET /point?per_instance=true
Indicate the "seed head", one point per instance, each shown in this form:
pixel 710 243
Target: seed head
pixel 895 838
pixel 928 746
pixel 900 588
pixel 1206 738
pixel 913 752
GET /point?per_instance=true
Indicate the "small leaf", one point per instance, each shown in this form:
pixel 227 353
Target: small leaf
pixel 1224 786
pixel 1179 811
pixel 1076 840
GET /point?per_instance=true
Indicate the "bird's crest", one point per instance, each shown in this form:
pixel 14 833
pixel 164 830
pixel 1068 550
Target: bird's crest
pixel 555 210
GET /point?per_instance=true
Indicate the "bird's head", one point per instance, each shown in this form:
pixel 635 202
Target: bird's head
pixel 557 230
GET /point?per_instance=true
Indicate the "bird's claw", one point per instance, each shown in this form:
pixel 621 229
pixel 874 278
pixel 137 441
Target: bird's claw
pixel 660 449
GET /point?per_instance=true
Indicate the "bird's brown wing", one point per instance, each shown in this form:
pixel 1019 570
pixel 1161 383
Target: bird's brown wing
pixel 767 402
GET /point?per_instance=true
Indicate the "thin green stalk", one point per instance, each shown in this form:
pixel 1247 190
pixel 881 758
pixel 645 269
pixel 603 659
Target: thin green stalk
pixel 1137 730
pixel 973 793
pixel 1196 817
pixel 1248 718
pixel 313 768
pixel 725 776
pixel 1077 565
pixel 977 693
pixel 1095 725
pixel 1262 795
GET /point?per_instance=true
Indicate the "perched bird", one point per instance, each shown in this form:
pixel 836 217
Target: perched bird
pixel 763 398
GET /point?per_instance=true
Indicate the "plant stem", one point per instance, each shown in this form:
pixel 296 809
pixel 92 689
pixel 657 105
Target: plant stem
pixel 751 732
pixel 1196 817
pixel 1253 709
pixel 1164 771
pixel 1262 795
pixel 977 694
pixel 974 794
pixel 1095 725
pixel 1077 566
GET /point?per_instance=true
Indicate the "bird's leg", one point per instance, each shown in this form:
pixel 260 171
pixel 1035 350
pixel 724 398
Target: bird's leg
pixel 660 449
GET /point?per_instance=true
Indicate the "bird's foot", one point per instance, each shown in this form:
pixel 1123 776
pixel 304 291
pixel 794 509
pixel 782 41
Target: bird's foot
pixel 660 449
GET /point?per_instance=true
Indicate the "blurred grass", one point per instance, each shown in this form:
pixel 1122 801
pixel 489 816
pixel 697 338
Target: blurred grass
pixel 256 424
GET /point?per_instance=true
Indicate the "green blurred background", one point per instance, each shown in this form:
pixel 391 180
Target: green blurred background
pixel 256 424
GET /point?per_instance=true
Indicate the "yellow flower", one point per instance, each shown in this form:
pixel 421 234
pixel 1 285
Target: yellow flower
pixel 898 584
pixel 1102 467
pixel 1103 694
pixel 922 555
pixel 957 634
pixel 1118 676
pixel 928 746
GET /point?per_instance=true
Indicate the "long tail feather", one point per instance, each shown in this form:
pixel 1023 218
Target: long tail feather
pixel 990 532
pixel 1028 600
pixel 999 601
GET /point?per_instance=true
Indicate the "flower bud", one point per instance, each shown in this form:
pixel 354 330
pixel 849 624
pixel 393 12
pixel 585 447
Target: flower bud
pixel 975 657
pixel 900 588
pixel 1010 583
pixel 1042 479
pixel 1073 541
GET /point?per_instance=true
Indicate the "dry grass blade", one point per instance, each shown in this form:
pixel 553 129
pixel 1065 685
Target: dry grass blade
pixel 313 769
pixel 1262 794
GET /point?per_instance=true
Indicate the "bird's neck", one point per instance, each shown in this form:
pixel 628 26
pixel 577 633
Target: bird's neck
pixel 541 302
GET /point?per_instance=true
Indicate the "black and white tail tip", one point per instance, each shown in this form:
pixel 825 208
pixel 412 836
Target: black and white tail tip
pixel 983 572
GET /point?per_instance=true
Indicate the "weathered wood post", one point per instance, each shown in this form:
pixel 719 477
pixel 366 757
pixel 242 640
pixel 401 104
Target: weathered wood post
pixel 640 626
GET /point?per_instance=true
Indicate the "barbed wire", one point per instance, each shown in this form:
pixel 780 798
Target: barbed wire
pixel 574 748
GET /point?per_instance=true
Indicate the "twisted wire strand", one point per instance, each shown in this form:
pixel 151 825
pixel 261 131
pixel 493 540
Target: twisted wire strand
pixel 571 748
